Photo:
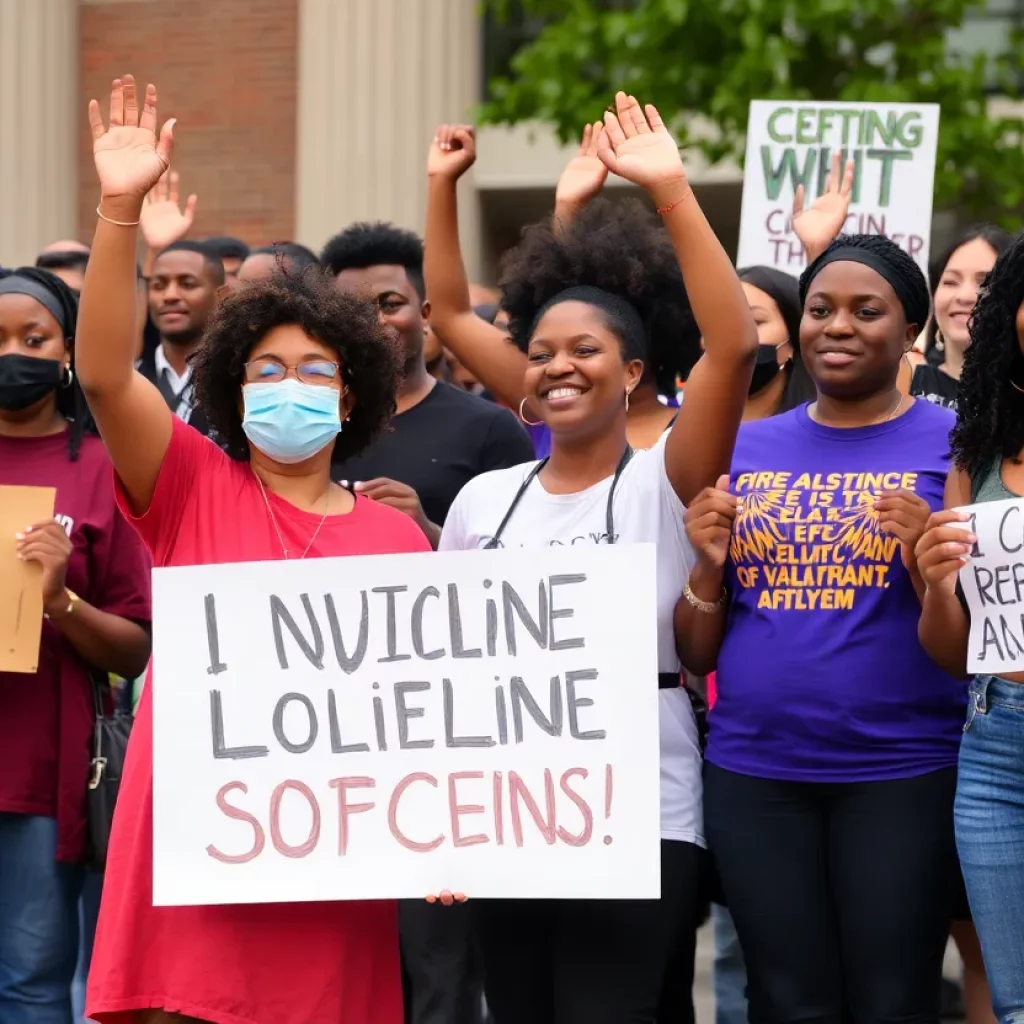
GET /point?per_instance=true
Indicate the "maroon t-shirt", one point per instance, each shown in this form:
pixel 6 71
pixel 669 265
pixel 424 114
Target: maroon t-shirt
pixel 46 719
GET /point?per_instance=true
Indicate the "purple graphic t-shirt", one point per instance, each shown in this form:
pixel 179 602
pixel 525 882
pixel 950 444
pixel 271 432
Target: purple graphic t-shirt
pixel 821 677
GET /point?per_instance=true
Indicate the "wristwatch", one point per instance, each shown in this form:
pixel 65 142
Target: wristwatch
pixel 72 601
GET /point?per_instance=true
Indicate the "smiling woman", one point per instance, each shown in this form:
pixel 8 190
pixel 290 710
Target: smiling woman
pixel 831 759
pixel 585 303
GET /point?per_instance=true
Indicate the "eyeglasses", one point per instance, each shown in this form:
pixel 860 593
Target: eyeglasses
pixel 268 370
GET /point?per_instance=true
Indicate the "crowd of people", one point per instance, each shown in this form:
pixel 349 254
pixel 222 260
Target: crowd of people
pixel 797 450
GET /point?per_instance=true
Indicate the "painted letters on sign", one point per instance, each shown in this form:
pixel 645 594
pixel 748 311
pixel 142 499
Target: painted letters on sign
pixel 790 143
pixel 387 727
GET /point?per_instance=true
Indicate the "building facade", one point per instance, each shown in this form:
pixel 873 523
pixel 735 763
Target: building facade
pixel 296 117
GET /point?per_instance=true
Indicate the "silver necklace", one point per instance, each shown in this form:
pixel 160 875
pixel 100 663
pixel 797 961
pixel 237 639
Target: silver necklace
pixel 277 529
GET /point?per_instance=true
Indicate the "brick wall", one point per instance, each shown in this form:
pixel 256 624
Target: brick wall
pixel 227 69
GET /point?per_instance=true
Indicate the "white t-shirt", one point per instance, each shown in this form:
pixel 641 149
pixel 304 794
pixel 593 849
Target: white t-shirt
pixel 646 510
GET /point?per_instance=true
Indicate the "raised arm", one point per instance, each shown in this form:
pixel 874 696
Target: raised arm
pixel 823 221
pixel 583 178
pixel 132 417
pixel 944 626
pixel 163 221
pixel 481 347
pixel 638 147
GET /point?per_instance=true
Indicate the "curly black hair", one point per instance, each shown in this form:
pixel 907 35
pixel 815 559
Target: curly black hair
pixel 370 361
pixel 905 276
pixel 990 410
pixel 373 245
pixel 998 239
pixel 622 248
pixel 70 399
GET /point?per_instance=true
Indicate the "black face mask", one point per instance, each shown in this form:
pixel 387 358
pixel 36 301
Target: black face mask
pixel 766 368
pixel 25 380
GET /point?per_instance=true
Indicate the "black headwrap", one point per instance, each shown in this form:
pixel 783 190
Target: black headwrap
pixel 889 261
pixel 19 284
pixel 622 315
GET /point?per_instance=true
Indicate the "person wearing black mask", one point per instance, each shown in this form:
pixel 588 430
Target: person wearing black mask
pixel 95 583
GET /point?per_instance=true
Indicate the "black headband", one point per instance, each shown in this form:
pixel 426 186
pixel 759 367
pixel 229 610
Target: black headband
pixel 915 306
pixel 627 320
pixel 15 284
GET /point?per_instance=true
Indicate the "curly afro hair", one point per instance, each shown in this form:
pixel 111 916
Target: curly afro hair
pixel 990 420
pixel 622 248
pixel 370 361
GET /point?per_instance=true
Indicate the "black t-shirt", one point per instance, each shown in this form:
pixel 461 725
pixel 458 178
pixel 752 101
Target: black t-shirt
pixel 439 445
pixel 931 384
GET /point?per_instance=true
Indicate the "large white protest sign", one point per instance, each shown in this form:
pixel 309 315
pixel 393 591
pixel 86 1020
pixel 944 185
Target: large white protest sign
pixel 993 582
pixel 892 145
pixel 379 727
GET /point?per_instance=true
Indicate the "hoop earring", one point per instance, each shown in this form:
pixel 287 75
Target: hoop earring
pixel 529 423
pixel 68 379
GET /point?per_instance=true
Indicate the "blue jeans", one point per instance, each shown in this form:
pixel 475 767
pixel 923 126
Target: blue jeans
pixel 990 834
pixel 38 923
pixel 88 914
pixel 730 970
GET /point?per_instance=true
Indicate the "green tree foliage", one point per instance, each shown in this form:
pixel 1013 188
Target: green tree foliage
pixel 712 57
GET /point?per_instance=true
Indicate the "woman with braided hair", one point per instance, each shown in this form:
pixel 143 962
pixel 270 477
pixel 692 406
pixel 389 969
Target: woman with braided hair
pixel 988 457
pixel 95 581
pixel 831 760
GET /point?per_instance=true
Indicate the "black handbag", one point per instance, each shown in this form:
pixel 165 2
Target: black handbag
pixel 109 747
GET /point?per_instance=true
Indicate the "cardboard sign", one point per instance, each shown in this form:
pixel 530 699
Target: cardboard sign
pixel 791 142
pixel 381 727
pixel 21 583
pixel 993 582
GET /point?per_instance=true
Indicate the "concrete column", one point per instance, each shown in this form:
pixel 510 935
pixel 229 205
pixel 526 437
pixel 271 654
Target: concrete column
pixel 375 78
pixel 39 112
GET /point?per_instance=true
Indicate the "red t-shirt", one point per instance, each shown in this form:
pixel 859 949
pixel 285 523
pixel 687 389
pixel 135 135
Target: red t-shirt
pixel 46 720
pixel 274 963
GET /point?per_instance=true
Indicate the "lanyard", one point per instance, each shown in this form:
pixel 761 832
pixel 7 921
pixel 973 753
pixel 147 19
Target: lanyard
pixel 609 519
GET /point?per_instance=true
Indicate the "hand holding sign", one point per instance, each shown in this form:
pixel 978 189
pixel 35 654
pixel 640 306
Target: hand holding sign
pixel 943 550
pixel 904 514
pixel 48 544
pixel 709 522
pixel 818 226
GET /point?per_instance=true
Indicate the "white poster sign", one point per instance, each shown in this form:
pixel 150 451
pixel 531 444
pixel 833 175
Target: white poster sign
pixel 381 727
pixel 791 142
pixel 993 582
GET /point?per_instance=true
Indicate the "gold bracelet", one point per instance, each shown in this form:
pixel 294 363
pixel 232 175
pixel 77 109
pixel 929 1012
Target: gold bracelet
pixel 707 607
pixel 72 601
pixel 118 223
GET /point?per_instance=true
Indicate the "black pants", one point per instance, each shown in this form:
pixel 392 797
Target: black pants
pixel 441 968
pixel 841 893
pixel 592 961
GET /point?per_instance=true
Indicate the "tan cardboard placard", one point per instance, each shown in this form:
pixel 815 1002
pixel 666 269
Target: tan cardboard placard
pixel 21 583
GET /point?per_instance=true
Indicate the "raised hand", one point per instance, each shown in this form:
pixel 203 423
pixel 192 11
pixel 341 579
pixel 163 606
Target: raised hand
pixel 162 220
pixel 452 152
pixel 585 174
pixel 637 146
pixel 129 156
pixel 819 225
pixel 943 550
pixel 709 522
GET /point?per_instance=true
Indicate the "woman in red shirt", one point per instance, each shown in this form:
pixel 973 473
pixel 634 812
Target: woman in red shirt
pixel 290 370
pixel 95 578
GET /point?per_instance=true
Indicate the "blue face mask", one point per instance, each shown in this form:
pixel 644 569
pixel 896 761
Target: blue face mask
pixel 290 421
